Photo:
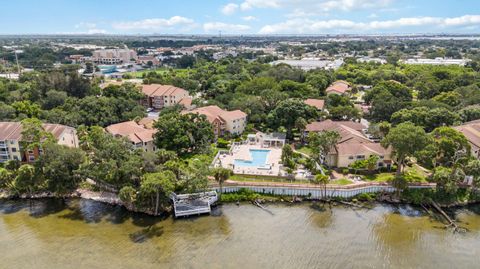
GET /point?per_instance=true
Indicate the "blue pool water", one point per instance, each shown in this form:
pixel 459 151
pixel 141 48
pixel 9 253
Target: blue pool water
pixel 258 158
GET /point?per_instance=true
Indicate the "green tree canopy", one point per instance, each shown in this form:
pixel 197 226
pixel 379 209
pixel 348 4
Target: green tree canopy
pixel 405 139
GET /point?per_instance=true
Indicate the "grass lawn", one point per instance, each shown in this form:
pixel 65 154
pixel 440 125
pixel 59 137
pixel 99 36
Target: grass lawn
pixel 161 70
pixel 253 178
pixel 412 173
pixel 341 181
pixel 381 177
pixel 304 150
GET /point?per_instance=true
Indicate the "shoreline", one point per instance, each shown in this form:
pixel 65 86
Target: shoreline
pixel 113 199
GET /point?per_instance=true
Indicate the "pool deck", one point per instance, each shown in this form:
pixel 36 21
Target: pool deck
pixel 242 152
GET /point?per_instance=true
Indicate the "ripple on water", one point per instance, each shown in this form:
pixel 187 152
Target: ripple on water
pixel 87 234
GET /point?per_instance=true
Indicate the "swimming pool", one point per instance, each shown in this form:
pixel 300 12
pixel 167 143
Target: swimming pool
pixel 258 159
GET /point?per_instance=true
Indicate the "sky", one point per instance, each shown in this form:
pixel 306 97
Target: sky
pixel 263 17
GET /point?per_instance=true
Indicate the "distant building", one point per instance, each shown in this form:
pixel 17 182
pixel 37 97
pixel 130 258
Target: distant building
pixel 145 60
pixel 233 122
pixel 339 87
pixel 309 64
pixel 223 54
pixel 114 56
pixel 437 61
pixel 79 58
pixel 11 137
pixel 140 136
pixel 159 96
pixel 353 144
pixel 371 60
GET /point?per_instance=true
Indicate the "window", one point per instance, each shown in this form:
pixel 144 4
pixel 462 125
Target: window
pixel 360 156
pixel 31 158
pixel 350 157
pixel 381 156
pixel 30 152
pixel 14 149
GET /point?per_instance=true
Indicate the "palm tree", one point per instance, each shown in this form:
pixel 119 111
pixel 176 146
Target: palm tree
pixel 322 179
pixel 221 175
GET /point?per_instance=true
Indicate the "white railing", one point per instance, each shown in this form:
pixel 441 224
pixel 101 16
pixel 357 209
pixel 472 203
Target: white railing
pixel 182 207
pixel 314 192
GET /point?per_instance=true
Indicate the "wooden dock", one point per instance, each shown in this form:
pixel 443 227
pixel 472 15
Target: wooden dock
pixel 193 203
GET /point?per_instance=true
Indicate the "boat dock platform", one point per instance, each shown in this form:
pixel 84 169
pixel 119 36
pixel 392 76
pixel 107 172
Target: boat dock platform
pixel 193 203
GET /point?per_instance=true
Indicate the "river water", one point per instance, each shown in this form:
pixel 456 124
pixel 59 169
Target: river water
pixel 86 234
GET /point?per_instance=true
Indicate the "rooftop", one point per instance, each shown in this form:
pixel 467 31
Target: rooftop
pixel 349 131
pixel 214 112
pixel 13 130
pixel 339 86
pixel 361 149
pixel 133 131
pixel 153 90
pixel 471 130
pixel 317 103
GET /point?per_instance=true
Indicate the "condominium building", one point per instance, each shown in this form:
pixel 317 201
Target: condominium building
pixel 353 144
pixel 114 56
pixel 11 137
pixel 159 96
pixel 140 136
pixel 233 122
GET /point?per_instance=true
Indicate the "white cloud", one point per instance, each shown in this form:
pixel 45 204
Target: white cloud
pixel 229 28
pixel 249 18
pixel 89 28
pixel 315 5
pixel 348 5
pixel 467 20
pixel 249 4
pixel 309 26
pixel 154 24
pixel 229 9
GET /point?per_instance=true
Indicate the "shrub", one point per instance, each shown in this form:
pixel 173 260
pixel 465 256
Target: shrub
pixel 241 195
pixel 366 197
pixel 222 143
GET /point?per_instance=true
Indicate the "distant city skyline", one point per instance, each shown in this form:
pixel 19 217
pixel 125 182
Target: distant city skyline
pixel 265 17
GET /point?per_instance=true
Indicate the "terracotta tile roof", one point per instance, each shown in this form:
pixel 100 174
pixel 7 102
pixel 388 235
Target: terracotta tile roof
pixel 317 103
pixel 329 124
pixel 349 131
pixel 214 112
pixel 233 115
pixel 366 149
pixel 471 130
pixel 147 122
pixel 186 102
pixel 153 90
pixel 339 86
pixel 133 131
pixel 13 130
